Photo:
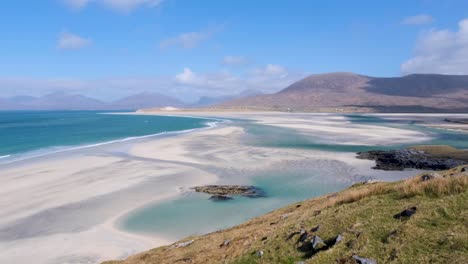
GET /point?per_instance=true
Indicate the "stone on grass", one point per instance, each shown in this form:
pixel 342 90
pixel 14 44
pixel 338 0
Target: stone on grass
pixel 407 213
pixel 430 176
pixel 361 260
pixel 183 244
pixel 316 241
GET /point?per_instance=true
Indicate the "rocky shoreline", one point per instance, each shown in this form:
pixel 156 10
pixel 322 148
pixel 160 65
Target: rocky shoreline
pixel 408 159
pixel 226 192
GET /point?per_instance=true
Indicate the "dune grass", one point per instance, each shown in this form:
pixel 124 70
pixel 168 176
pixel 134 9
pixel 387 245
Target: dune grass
pixel 362 214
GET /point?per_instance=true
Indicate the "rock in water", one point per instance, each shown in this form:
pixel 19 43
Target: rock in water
pixel 225 190
pixel 408 158
pixel 364 260
pixel 220 198
pixel 406 213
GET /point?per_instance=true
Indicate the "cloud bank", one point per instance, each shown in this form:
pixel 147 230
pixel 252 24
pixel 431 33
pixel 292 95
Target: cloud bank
pixel 440 51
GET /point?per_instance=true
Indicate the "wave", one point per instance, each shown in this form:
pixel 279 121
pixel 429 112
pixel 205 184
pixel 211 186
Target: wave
pixel 50 151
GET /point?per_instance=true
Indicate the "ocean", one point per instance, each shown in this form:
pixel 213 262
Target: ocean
pixel 26 134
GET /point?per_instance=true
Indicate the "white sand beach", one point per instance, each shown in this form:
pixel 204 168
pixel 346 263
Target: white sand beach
pixel 65 208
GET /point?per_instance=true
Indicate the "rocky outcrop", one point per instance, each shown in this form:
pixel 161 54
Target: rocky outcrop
pixel 408 158
pixel 225 192
pixel 407 213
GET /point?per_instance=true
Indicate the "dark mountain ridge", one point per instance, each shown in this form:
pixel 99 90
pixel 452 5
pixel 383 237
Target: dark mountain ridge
pixel 325 92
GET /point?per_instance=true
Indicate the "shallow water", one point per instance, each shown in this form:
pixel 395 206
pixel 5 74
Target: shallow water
pixel 284 184
pixel 194 213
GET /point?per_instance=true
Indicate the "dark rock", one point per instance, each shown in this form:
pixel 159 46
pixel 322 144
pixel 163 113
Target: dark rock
pixel 408 158
pixel 405 213
pixel 224 190
pixel 303 236
pixel 264 238
pixel 315 229
pixel 220 198
pixel 361 260
pixel 317 212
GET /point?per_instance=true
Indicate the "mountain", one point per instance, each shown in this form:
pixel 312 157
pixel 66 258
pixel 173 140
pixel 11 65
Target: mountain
pixel 145 100
pixel 66 101
pixel 416 92
pixel 209 101
pixel 53 101
pixel 418 220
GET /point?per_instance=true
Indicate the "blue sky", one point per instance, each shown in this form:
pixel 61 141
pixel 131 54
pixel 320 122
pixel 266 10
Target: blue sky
pixel 188 48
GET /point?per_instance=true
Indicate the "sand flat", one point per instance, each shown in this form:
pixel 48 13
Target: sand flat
pixel 66 209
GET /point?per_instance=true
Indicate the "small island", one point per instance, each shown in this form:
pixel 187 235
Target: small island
pixel 225 192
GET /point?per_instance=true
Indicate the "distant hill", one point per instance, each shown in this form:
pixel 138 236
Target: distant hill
pixel 66 101
pixel 209 101
pixel 412 93
pixel 145 100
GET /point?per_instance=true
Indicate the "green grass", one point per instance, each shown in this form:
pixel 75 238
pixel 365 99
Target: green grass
pixel 363 214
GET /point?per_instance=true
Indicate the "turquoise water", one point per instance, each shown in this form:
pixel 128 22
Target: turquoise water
pixel 26 131
pixel 194 214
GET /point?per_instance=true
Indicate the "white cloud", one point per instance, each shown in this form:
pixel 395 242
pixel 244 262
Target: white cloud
pixel 440 51
pixel 235 60
pixel 70 41
pixel 270 78
pixel 187 40
pixel 417 20
pixel 124 6
pixel 188 77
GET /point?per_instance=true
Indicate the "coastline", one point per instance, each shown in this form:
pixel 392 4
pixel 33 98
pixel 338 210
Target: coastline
pixel 117 180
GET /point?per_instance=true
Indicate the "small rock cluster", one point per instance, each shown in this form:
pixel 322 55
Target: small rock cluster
pixel 225 192
pixel 408 158
pixel 310 243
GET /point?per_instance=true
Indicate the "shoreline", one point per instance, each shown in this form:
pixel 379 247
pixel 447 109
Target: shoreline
pixel 43 152
pixel 120 179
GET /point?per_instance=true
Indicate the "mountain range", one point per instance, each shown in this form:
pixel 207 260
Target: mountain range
pixel 320 92
pixel 349 91
pixel 66 101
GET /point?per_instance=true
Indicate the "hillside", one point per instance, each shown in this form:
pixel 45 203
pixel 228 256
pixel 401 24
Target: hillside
pixel 419 220
pixel 411 93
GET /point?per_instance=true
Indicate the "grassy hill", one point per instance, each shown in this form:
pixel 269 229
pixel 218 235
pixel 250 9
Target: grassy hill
pixel 363 215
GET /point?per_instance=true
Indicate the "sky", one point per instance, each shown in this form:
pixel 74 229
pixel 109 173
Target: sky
pixel 108 49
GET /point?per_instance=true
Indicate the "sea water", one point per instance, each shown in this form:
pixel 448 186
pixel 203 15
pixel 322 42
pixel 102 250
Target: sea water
pixel 26 134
